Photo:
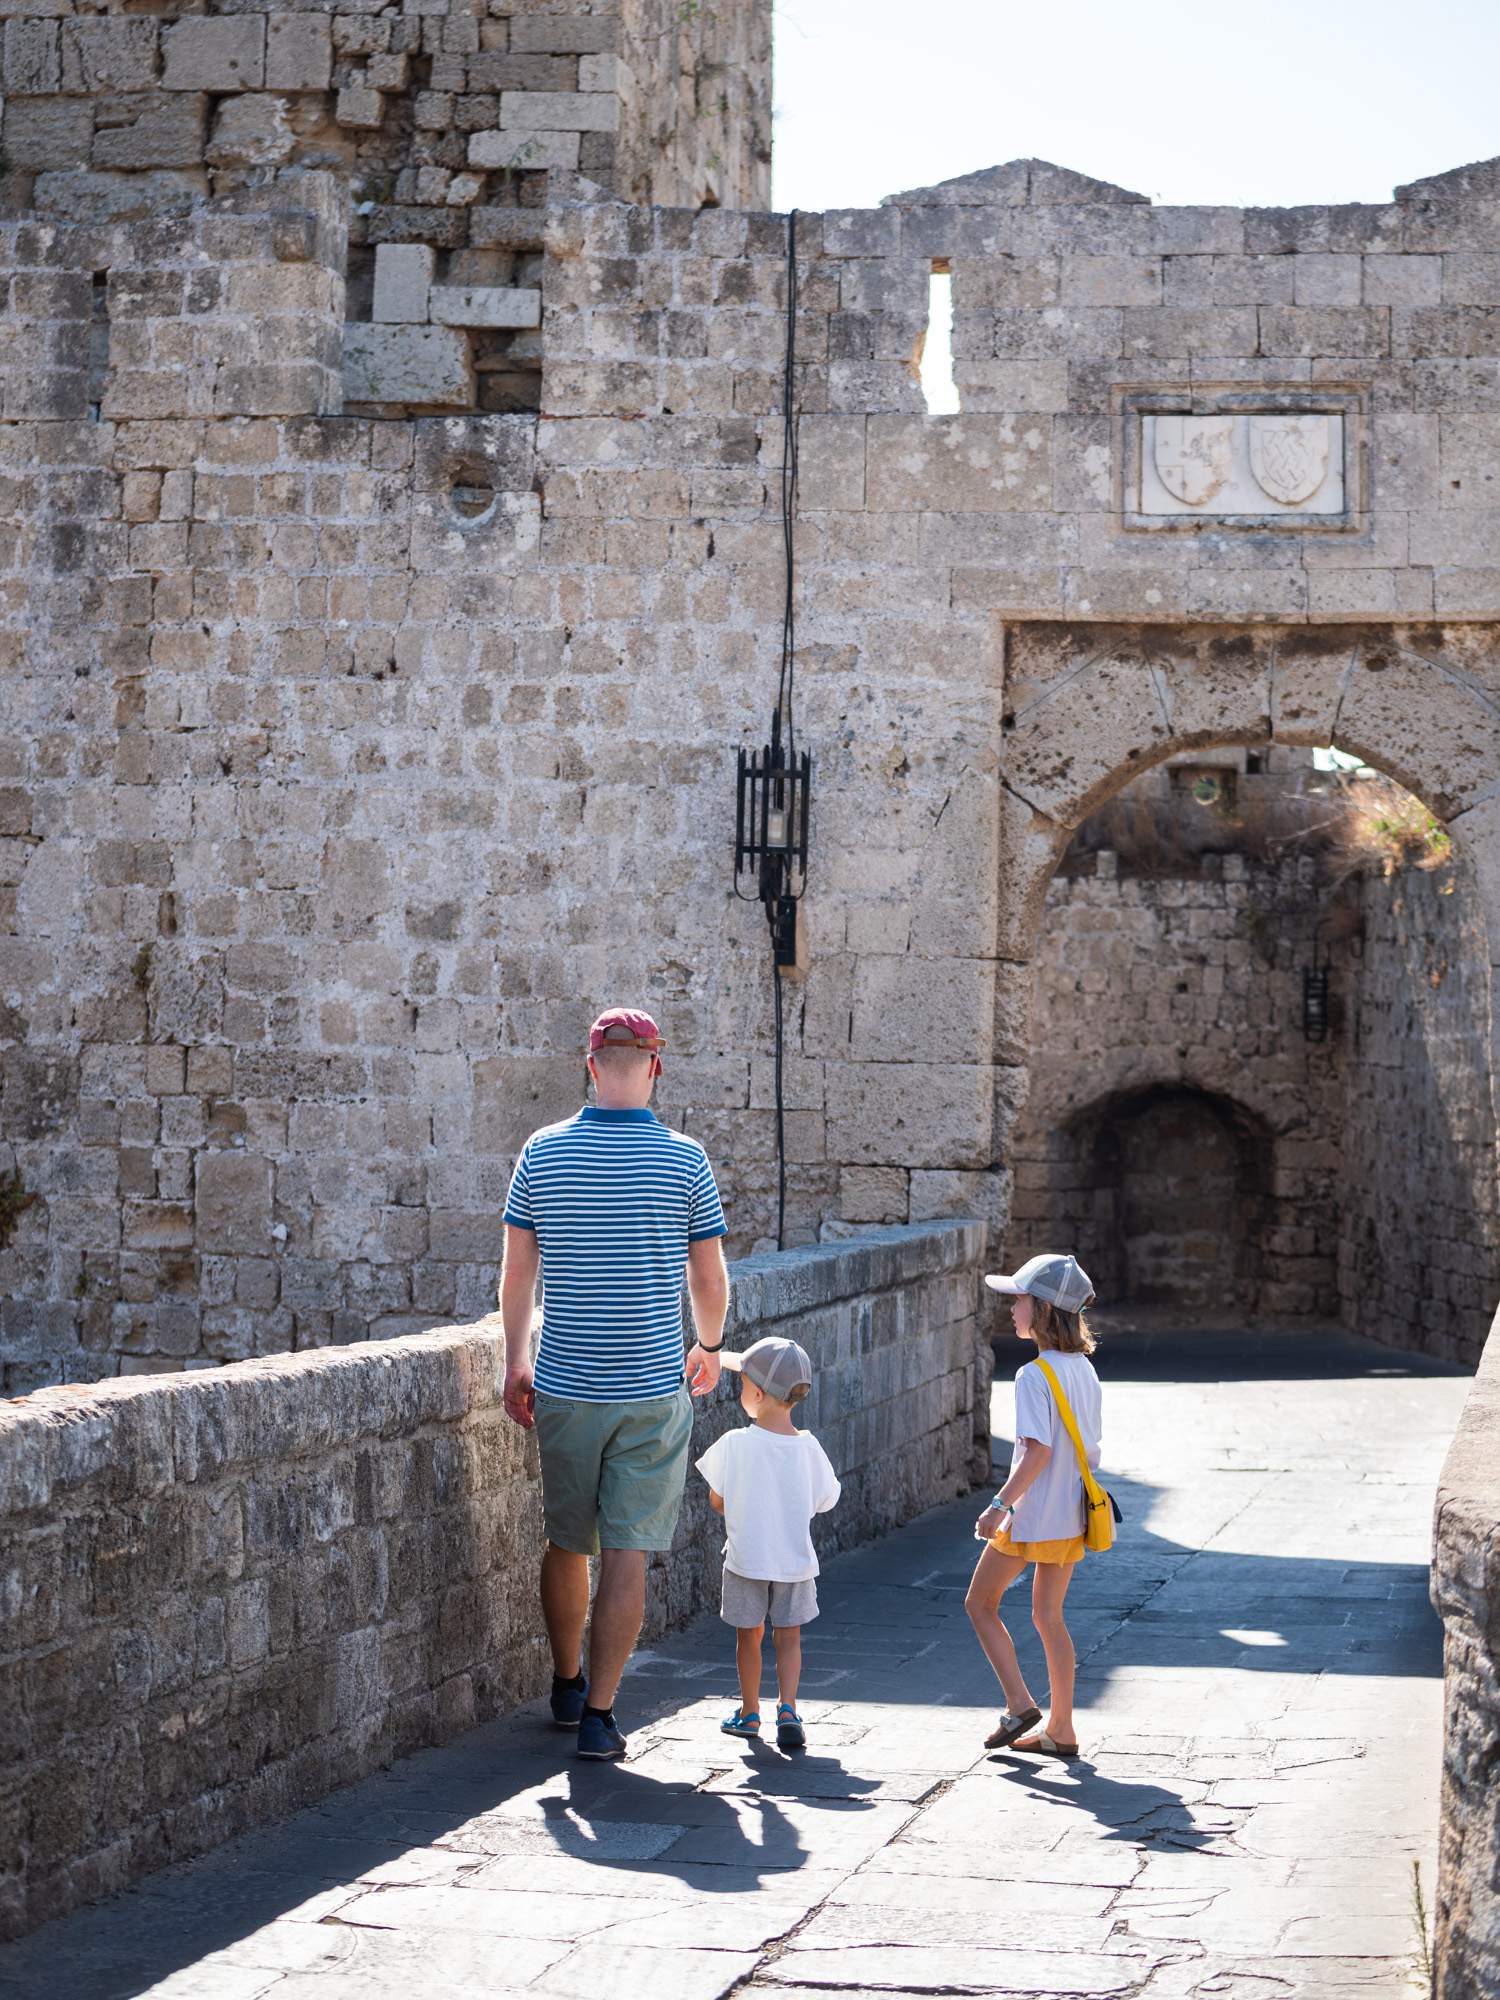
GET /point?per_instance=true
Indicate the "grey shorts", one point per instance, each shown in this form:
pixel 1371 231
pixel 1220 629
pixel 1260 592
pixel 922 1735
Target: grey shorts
pixel 746 1603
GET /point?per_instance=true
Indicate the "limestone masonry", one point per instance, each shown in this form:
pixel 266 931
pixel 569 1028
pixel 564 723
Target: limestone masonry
pixel 352 760
pixel 229 1593
pixel 391 422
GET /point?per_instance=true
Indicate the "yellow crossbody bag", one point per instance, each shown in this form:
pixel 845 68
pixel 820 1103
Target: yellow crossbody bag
pixel 1099 1527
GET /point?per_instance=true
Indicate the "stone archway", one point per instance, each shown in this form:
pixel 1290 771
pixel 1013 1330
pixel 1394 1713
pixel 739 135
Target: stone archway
pixel 1087 710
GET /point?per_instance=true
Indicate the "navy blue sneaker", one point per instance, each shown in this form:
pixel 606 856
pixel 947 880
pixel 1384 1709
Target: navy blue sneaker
pixel 599 1738
pixel 568 1699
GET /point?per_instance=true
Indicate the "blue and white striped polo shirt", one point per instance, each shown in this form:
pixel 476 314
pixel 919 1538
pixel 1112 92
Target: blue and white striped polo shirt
pixel 615 1198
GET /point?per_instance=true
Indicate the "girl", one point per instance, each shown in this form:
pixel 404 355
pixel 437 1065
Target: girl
pixel 1038 1514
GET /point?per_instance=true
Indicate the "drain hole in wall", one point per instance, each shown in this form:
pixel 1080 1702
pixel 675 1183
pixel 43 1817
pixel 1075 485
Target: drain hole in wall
pixel 471 495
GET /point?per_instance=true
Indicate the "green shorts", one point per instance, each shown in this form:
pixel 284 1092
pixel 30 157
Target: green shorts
pixel 613 1473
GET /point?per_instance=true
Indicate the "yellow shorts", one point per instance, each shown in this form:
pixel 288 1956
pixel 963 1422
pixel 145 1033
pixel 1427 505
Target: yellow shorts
pixel 1069 1550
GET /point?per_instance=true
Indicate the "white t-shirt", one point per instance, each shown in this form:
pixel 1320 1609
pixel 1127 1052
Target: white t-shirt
pixel 772 1485
pixel 1052 1509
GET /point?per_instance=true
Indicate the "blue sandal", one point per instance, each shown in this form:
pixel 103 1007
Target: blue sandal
pixel 790 1735
pixel 740 1724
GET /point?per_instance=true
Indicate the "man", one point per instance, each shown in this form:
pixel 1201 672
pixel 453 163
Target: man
pixel 609 1206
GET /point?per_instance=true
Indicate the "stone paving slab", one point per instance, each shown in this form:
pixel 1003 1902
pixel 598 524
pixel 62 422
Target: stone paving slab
pixel 1260 1702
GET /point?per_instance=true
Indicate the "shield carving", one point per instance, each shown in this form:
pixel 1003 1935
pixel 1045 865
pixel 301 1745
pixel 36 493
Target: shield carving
pixel 1289 456
pixel 1193 456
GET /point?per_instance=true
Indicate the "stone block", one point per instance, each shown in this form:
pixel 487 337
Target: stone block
pixel 32 59
pixel 250 131
pixel 403 281
pixel 222 53
pixel 900 1009
pixel 425 365
pixel 1404 281
pixel 975 465
pixel 155 129
pixel 99 56
pixel 359 108
pixel 1322 278
pixel 299 52
pixel 563 34
pixel 1356 331
pixel 486 305
pixel 1417 721
pixel 912 1114
pixel 48 133
pixel 1110 281
pixel 557 111
pixel 525 150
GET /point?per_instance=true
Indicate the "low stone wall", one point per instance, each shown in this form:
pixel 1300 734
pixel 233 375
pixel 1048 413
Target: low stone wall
pixel 1466 1592
pixel 227 1592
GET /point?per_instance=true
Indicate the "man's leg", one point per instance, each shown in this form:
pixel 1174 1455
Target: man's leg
pixel 565 1606
pixel 619 1607
pixel 642 1473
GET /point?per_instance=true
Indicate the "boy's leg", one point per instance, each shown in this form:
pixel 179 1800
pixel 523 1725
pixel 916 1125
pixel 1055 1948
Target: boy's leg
pixel 787 1639
pixel 747 1659
pixel 993 1574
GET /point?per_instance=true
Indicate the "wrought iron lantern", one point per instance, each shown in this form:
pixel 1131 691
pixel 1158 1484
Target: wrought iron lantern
pixel 773 798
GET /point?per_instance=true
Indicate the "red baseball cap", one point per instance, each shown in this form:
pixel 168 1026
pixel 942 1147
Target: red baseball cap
pixel 625 1028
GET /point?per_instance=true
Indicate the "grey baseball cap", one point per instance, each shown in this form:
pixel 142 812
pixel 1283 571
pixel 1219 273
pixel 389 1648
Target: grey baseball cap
pixel 1059 1279
pixel 776 1365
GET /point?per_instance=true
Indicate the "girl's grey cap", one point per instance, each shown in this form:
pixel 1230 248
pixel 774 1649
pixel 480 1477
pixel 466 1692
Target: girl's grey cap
pixel 774 1364
pixel 1060 1280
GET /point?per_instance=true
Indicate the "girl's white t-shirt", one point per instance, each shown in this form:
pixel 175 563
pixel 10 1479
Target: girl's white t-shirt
pixel 772 1484
pixel 1052 1509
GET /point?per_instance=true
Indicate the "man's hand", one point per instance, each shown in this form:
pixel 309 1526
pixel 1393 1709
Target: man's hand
pixel 988 1523
pixel 520 1397
pixel 702 1369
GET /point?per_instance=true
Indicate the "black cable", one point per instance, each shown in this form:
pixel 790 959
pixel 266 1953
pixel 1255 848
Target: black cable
pixel 789 472
pixel 780 1125
pixel 784 688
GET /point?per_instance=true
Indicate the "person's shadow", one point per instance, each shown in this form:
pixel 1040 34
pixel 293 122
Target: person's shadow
pixel 1125 1808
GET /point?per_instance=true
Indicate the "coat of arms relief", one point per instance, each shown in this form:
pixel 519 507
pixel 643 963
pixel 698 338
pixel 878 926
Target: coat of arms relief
pixel 1252 464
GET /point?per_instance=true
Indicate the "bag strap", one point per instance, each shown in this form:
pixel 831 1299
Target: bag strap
pixel 1065 1411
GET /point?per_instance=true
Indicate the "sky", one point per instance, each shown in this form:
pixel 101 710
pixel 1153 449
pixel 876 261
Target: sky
pixel 1285 102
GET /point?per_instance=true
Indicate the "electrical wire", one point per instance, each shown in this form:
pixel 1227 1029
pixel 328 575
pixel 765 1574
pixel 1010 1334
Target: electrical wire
pixel 785 684
pixel 789 470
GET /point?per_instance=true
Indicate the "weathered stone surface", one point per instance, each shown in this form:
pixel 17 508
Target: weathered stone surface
pixel 407 364
pixel 526 149
pixel 403 281
pixel 299 52
pixel 485 305
pixel 223 54
pixel 295 1522
pixel 250 132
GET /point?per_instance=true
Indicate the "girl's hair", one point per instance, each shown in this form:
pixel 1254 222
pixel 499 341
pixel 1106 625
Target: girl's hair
pixel 1062 1333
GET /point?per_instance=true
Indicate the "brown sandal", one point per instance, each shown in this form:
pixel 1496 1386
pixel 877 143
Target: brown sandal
pixel 1042 1745
pixel 1010 1727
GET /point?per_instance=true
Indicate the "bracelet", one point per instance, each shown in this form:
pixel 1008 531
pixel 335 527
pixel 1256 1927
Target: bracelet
pixel 708 1350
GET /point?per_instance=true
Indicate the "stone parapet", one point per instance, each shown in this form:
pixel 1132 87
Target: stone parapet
pixel 1466 1593
pixel 228 1592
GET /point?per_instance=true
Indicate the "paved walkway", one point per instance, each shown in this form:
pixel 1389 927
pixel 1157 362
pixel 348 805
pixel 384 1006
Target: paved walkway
pixel 1259 1714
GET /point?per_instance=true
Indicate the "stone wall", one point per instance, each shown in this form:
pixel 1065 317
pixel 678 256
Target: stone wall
pixel 1419 1224
pixel 1181 1133
pixel 226 1593
pixel 1466 1593
pixel 350 763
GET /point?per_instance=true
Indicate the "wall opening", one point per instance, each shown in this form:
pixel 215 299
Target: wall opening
pixel 1186 1133
pixel 935 361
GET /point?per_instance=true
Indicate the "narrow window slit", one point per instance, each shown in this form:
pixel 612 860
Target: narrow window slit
pixel 935 364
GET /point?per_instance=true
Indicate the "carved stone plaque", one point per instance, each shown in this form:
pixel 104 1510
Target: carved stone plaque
pixel 1241 465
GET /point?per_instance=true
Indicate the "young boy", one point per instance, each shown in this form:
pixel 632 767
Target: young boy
pixel 768 1481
